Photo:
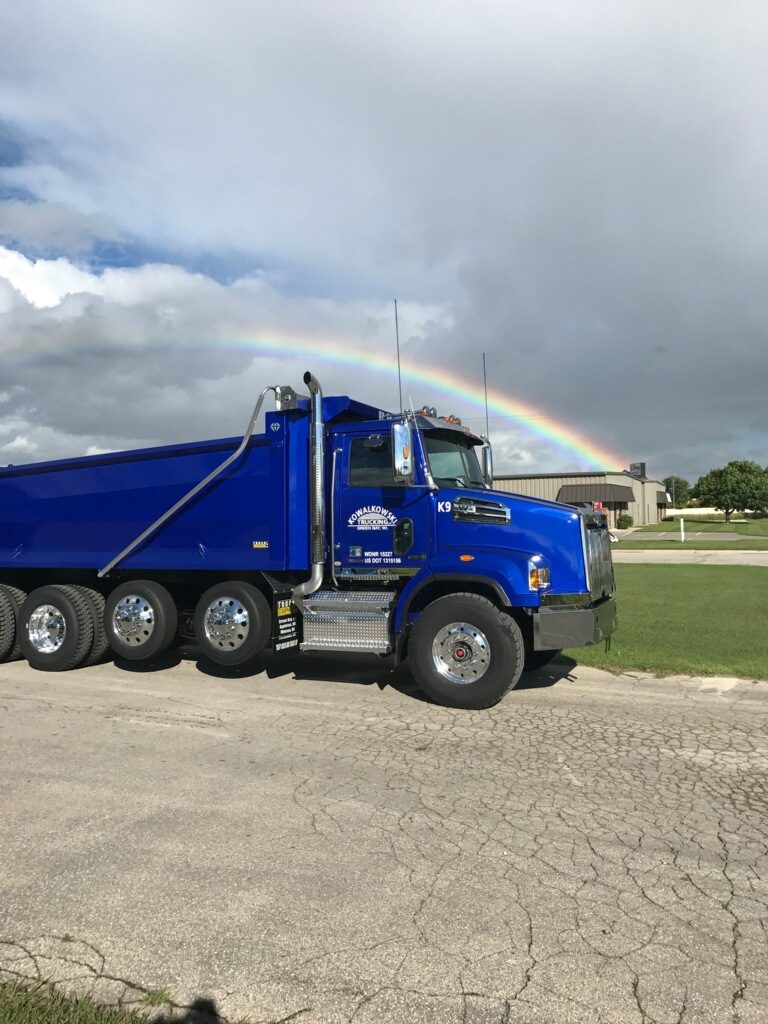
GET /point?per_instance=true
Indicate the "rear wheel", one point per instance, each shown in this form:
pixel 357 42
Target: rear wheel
pixel 100 642
pixel 465 653
pixel 140 620
pixel 56 628
pixel 7 626
pixel 232 623
pixel 17 598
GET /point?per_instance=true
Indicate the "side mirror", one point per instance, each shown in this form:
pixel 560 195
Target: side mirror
pixel 402 452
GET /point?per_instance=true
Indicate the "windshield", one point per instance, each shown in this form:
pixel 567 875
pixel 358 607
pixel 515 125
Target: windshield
pixel 452 459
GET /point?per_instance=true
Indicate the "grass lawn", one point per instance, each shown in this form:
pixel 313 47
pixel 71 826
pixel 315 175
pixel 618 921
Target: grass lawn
pixel 688 619
pixel 750 528
pixel 41 1006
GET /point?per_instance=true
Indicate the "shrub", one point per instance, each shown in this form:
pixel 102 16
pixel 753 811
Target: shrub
pixel 624 521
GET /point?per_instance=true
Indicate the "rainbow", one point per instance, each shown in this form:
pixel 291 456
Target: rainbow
pixel 535 421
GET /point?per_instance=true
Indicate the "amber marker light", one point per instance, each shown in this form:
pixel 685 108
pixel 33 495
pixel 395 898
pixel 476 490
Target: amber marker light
pixel 538 577
pixel 466 558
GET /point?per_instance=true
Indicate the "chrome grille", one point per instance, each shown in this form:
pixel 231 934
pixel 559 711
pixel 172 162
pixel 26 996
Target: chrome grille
pixel 480 510
pixel 597 556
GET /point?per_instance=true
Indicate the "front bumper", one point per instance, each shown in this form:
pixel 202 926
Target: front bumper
pixel 556 628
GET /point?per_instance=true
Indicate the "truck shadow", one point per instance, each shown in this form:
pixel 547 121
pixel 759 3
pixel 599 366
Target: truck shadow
pixel 354 669
pixel 170 659
pixel 358 670
pixel 557 670
pixel 201 1011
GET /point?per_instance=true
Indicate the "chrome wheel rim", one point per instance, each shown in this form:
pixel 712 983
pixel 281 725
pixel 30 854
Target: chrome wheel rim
pixel 461 653
pixel 47 629
pixel 133 620
pixel 226 623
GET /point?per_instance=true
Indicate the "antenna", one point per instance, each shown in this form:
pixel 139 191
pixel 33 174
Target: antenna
pixel 485 389
pixel 399 379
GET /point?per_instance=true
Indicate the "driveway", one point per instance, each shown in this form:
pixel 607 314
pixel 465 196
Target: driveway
pixel 319 844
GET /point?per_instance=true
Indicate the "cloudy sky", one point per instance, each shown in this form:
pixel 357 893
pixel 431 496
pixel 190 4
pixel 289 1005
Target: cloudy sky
pixel 193 195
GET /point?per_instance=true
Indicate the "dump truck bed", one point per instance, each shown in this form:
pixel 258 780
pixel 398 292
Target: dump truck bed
pixel 78 513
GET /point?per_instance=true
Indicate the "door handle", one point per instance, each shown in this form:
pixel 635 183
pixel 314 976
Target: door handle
pixel 402 537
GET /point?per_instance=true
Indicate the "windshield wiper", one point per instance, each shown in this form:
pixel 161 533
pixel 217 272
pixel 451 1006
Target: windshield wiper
pixel 452 479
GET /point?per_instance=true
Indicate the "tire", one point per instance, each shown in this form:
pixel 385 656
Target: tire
pixel 232 623
pixel 7 626
pixel 100 642
pixel 140 620
pixel 534 660
pixel 56 628
pixel 17 598
pixel 468 627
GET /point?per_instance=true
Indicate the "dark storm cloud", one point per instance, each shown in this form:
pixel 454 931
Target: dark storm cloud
pixel 157 354
pixel 581 186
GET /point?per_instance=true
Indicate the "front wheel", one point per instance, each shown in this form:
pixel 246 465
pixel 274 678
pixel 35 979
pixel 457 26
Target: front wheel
pixel 465 653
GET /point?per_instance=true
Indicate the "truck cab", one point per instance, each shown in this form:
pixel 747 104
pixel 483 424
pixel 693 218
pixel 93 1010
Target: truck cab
pixel 425 560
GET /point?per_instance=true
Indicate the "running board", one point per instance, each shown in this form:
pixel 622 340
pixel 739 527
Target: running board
pixel 348 620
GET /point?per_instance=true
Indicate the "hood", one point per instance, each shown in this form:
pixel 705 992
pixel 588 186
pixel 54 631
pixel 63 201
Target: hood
pixel 523 527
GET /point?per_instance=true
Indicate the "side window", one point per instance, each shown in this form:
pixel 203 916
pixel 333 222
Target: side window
pixel 370 462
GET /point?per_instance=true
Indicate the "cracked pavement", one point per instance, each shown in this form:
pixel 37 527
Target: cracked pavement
pixel 304 844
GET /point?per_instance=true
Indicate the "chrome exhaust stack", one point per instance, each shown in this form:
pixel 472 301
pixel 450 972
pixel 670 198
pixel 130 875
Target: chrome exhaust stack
pixel 316 500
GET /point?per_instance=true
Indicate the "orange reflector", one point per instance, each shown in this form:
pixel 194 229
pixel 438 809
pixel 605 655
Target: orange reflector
pixel 466 558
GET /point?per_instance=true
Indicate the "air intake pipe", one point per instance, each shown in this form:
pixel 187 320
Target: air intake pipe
pixel 316 498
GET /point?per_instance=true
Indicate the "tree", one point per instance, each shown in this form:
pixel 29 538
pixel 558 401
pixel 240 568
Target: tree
pixel 738 486
pixel 678 489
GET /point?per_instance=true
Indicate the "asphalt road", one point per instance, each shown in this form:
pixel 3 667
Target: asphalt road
pixel 317 847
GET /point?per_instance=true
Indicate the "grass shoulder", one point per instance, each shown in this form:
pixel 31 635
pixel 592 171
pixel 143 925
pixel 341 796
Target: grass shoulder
pixel 42 1005
pixel 46 1004
pixel 688 620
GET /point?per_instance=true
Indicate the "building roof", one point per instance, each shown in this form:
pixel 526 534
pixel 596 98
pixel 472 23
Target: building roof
pixel 593 475
pixel 552 476
pixel 595 492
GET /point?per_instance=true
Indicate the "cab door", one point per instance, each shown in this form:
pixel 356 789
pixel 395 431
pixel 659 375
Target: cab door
pixel 381 528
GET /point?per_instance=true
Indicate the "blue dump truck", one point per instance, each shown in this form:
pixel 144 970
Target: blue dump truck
pixel 341 528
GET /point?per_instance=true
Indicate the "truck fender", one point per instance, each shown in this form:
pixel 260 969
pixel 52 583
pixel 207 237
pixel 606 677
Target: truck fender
pixel 460 581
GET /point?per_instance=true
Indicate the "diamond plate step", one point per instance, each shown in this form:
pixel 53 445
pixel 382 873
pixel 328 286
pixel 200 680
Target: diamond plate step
pixel 348 620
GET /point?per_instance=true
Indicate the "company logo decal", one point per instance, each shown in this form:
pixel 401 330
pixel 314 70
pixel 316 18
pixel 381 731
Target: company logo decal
pixel 372 517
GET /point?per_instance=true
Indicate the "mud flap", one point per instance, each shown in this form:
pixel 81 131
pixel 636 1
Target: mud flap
pixel 287 630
